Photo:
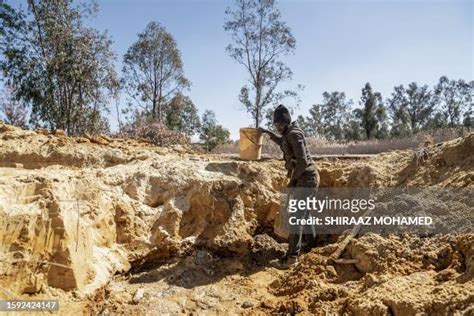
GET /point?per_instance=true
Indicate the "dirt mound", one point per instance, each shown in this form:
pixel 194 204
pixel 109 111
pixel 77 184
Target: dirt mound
pixel 175 224
pixel 39 149
pixel 448 164
pixel 383 280
pixel 73 228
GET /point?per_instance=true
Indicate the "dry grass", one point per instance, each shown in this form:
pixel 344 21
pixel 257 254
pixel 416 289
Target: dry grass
pixel 319 146
pixel 143 127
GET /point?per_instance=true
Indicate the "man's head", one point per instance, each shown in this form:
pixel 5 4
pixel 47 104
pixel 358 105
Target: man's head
pixel 281 119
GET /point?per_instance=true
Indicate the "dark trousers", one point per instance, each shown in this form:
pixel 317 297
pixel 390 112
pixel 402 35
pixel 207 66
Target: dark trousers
pixel 305 187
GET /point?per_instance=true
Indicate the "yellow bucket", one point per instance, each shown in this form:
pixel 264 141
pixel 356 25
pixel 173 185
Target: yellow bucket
pixel 251 140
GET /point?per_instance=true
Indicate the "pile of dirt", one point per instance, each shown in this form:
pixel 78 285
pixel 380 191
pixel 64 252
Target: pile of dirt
pixel 73 228
pixel 40 148
pixel 187 232
pixel 395 275
pixel 448 164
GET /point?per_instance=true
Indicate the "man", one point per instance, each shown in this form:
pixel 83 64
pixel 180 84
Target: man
pixel 304 180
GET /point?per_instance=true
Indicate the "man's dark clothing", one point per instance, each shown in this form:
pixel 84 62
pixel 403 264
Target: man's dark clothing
pixel 303 174
pixel 297 157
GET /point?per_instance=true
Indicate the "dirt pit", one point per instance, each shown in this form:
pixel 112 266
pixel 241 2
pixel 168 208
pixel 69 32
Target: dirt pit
pixel 112 226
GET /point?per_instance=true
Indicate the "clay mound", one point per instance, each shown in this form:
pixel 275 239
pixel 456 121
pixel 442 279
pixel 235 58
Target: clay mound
pixel 384 278
pixel 448 164
pixel 393 274
pixel 76 211
pixel 40 148
pixel 73 228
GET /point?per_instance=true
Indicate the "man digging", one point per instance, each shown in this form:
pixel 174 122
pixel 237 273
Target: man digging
pixel 304 180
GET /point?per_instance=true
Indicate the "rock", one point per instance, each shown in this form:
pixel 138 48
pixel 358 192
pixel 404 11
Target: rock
pixel 265 248
pixel 97 139
pixel 203 257
pixel 42 131
pixel 60 133
pixel 82 140
pixel 35 284
pixel 7 128
pixel 16 165
pixel 138 296
pixel 107 138
pixel 331 272
pixel 247 304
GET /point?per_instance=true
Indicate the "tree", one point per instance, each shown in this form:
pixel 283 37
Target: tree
pixel 420 105
pixel 353 130
pixel 212 134
pixel 454 97
pixel 14 111
pixel 412 106
pixel 306 125
pixel 368 115
pixel 382 131
pixel 329 118
pixel 397 106
pixel 10 23
pixel 59 66
pixel 182 115
pixel 316 120
pixel 153 70
pixel 467 121
pixel 260 39
pixel 334 112
pixel 437 121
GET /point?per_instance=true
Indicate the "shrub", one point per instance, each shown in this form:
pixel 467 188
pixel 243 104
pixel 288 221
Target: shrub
pixel 144 126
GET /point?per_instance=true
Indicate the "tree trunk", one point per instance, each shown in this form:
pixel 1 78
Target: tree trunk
pixel 258 88
pixel 153 110
pixel 159 106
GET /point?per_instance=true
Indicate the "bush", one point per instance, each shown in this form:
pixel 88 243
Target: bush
pixel 144 126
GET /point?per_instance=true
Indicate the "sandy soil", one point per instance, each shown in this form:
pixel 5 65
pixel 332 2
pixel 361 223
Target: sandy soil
pixel 114 226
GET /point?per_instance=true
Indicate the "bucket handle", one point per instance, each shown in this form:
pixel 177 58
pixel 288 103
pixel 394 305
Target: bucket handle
pixel 251 139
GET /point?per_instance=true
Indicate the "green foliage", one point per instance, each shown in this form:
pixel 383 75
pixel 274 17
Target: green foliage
pixel 353 131
pixel 467 121
pixel 260 38
pixel 182 115
pixel 213 134
pixel 411 109
pixel 334 113
pixel 382 120
pixel 153 70
pixel 14 111
pixel 407 112
pixel 371 111
pixel 328 119
pixel 59 66
pixel 453 97
pixel 397 105
pixel 10 22
pixel 307 126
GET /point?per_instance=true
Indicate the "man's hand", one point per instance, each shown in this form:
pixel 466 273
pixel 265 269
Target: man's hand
pixel 262 130
pixel 291 184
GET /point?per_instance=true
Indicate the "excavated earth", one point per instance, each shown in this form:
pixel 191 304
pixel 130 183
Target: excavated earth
pixel 112 226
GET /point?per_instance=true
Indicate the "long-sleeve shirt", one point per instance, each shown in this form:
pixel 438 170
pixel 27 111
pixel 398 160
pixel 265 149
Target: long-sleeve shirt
pixel 295 152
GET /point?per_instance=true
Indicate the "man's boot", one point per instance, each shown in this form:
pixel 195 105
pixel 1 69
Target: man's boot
pixel 284 263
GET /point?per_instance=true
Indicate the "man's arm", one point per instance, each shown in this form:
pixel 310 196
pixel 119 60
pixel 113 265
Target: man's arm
pixel 277 139
pixel 296 141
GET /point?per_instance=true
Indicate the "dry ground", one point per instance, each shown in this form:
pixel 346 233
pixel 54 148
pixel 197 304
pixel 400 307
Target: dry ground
pixel 116 226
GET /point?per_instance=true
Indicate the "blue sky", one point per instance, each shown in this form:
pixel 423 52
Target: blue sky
pixel 340 46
